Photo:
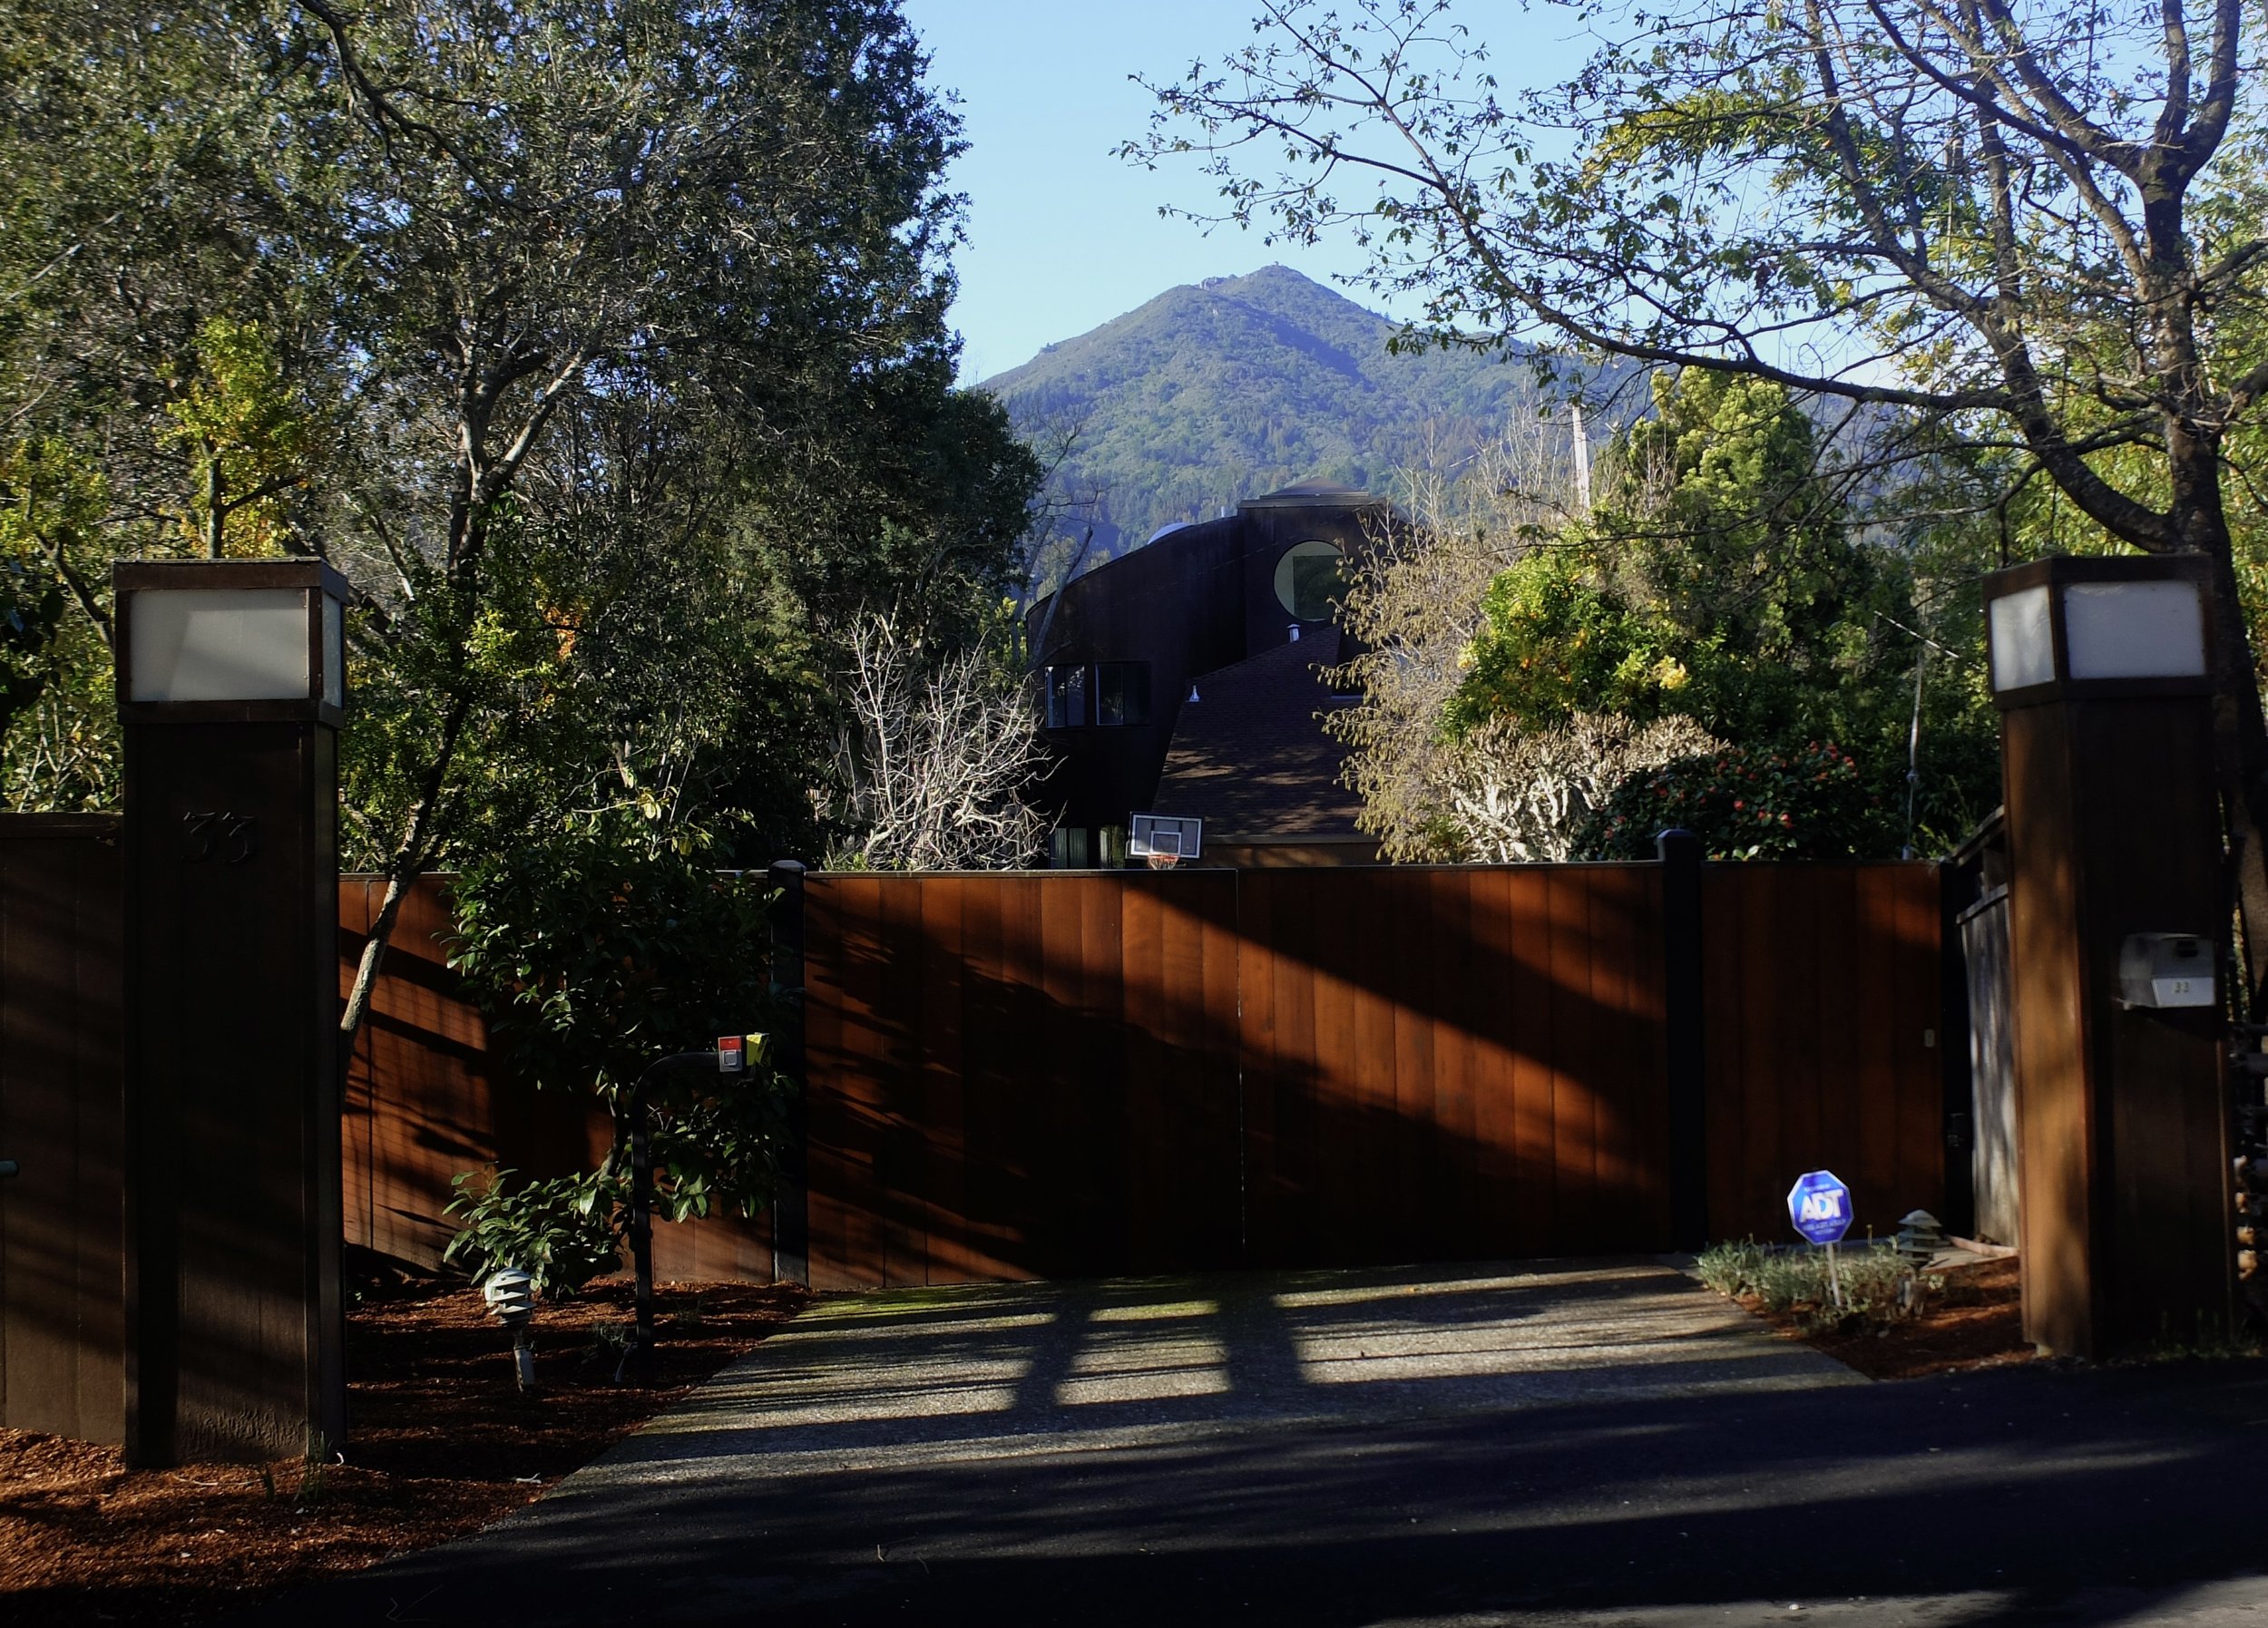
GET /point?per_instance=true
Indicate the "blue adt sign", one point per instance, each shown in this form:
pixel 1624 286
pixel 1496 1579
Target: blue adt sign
pixel 1820 1207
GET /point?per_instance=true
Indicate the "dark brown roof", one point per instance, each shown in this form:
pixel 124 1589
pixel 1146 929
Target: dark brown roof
pixel 1315 494
pixel 1249 757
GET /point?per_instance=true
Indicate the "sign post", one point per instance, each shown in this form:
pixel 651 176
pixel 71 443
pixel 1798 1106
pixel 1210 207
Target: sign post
pixel 1819 1206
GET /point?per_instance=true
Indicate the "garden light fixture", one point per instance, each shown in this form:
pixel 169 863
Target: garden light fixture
pixel 511 1296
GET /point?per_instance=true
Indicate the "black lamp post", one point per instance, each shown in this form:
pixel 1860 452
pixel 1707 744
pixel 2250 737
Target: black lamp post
pixel 231 686
pixel 2102 671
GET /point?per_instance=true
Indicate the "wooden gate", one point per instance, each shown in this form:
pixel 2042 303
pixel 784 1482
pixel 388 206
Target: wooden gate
pixel 1453 1063
pixel 1825 1028
pixel 1021 1076
pixel 1078 1074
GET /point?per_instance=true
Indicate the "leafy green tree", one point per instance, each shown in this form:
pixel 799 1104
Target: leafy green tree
pixel 2036 224
pixel 605 351
pixel 561 1230
pixel 1724 578
pixel 1557 640
pixel 602 948
pixel 247 436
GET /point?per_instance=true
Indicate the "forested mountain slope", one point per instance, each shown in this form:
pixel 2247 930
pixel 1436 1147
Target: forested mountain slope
pixel 1236 387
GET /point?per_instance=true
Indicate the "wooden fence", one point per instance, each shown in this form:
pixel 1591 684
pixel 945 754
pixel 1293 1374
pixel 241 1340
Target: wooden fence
pixel 1074 1074
pixel 1829 1030
pixel 63 1324
pixel 1447 1064
pixel 1077 1074
pixel 1019 1075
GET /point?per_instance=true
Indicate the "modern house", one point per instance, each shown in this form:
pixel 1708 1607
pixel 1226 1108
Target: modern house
pixel 1187 679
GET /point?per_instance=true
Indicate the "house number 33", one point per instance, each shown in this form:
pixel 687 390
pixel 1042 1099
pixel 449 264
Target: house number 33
pixel 227 836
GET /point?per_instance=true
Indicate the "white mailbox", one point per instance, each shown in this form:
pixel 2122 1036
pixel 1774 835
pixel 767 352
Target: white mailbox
pixel 2166 969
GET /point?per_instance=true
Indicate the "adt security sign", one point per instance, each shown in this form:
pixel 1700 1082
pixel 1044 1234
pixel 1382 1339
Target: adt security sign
pixel 1820 1207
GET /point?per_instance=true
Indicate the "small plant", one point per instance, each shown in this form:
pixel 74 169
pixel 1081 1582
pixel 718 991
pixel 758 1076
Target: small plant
pixel 1878 1285
pixel 687 1315
pixel 2213 1341
pixel 561 1232
pixel 315 1477
pixel 611 1341
pixel 1731 1269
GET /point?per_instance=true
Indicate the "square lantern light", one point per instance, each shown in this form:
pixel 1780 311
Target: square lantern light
pixel 2069 629
pixel 231 641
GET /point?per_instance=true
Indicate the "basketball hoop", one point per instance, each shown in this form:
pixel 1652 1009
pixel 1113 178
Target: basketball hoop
pixel 1163 840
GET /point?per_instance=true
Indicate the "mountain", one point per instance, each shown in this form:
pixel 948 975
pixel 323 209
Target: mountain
pixel 1235 386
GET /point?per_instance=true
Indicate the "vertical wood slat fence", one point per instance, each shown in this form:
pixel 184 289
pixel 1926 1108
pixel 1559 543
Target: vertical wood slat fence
pixel 1827 1028
pixel 1069 1075
pixel 1027 1076
pixel 1060 1075
pixel 63 1325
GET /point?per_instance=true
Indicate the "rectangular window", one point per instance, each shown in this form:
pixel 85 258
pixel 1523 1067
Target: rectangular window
pixel 1122 692
pixel 1067 697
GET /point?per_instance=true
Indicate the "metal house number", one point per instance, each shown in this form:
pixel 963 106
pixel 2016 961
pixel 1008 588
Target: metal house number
pixel 230 837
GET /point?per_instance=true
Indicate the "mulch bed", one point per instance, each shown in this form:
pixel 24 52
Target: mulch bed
pixel 440 1442
pixel 1975 1320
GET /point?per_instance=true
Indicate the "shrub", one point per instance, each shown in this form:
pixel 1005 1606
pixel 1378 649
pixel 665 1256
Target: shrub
pixel 561 1232
pixel 1809 802
pixel 1879 1284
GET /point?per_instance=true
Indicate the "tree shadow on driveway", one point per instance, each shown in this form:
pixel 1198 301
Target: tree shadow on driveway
pixel 1599 1440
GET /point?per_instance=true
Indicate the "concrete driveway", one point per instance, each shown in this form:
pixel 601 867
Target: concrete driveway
pixel 1602 1442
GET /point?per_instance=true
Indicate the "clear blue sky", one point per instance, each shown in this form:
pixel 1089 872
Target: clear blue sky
pixel 1062 236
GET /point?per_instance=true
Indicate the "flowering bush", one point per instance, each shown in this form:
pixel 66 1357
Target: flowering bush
pixel 1809 802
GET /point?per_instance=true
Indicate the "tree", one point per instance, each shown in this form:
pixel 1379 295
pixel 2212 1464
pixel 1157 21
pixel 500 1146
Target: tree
pixel 2037 223
pixel 1807 801
pixel 603 350
pixel 598 948
pixel 1415 602
pixel 1511 796
pixel 937 752
pixel 1522 657
pixel 1718 577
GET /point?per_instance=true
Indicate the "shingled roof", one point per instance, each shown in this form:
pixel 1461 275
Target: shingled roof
pixel 1249 757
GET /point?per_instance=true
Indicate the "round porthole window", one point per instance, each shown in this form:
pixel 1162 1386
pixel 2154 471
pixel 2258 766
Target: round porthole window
pixel 1307 580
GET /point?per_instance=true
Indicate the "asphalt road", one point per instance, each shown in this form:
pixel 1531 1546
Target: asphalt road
pixel 1479 1445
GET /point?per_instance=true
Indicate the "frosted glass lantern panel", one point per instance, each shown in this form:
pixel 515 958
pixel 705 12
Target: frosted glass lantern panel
pixel 2133 631
pixel 221 644
pixel 2023 646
